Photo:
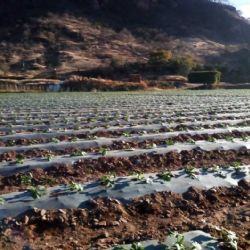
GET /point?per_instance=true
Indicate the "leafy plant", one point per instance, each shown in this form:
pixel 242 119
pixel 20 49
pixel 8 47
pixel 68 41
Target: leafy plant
pixel 191 171
pixel 126 134
pixel 210 139
pixel 180 243
pixel 151 146
pixel 49 157
pixel 78 153
pixel 138 175
pixel 74 139
pixel 237 166
pixel 228 238
pixel 55 140
pixel 20 159
pixel 191 141
pixel 2 200
pixel 103 151
pixel 77 187
pixel 108 181
pixel 37 192
pixel 166 175
pixel 244 138
pixel 169 142
pixel 137 246
pixel 26 179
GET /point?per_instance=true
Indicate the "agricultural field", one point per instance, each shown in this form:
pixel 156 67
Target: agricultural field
pixel 126 170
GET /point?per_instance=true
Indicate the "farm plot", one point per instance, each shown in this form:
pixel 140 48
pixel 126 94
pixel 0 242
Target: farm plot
pixel 161 170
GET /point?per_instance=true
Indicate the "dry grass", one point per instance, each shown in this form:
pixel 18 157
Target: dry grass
pixel 78 83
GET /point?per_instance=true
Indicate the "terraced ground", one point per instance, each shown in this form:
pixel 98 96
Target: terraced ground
pixel 134 170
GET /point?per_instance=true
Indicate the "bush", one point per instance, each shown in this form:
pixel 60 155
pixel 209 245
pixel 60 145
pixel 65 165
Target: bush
pixel 78 83
pixel 208 77
pixel 159 57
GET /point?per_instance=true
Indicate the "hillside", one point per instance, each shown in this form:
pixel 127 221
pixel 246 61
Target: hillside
pixel 48 38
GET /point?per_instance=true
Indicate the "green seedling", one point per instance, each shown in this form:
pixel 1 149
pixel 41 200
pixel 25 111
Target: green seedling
pixel 2 200
pixel 228 238
pixel 76 187
pixel 19 159
pixel 244 138
pixel 166 175
pixel 151 146
pixel 137 246
pixel 26 179
pixel 78 153
pixel 191 141
pixel 37 192
pixel 92 137
pixel 229 138
pixel 108 181
pixel 10 143
pixel 169 142
pixel 210 139
pixel 180 243
pixel 55 140
pixel 191 171
pixel 11 132
pixel 138 176
pixel 103 151
pixel 143 132
pixel 49 157
pixel 126 134
pixel 237 166
pixel 215 169
pixel 74 139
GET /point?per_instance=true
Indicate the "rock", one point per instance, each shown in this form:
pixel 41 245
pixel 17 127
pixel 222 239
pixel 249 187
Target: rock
pixel 43 212
pixel 26 220
pixel 101 224
pixel 115 223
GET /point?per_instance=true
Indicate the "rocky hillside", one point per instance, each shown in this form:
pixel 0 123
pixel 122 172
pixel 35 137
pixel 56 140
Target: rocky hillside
pixel 44 38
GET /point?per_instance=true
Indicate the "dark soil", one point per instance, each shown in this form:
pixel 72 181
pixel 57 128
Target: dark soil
pixel 108 222
pixel 91 169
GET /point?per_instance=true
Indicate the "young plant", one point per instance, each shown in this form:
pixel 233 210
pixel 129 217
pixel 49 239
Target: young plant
pixel 151 146
pixel 37 192
pixel 26 179
pixel 19 159
pixel 237 166
pixel 138 176
pixel 180 243
pixel 108 181
pixel 49 157
pixel 103 151
pixel 169 142
pixel 76 187
pixel 74 139
pixel 191 141
pixel 78 153
pixel 55 140
pixel 228 238
pixel 244 138
pixel 2 200
pixel 210 139
pixel 137 246
pixel 166 175
pixel 126 134
pixel 191 171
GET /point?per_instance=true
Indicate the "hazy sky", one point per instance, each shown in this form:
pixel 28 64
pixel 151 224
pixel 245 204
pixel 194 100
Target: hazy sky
pixel 243 6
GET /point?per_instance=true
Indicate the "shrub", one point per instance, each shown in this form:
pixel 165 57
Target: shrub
pixel 160 56
pixel 78 83
pixel 208 77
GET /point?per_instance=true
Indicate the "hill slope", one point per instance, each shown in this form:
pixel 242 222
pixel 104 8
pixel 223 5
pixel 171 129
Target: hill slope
pixel 37 37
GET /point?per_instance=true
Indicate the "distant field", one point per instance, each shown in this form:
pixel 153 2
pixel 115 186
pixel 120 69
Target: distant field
pixel 127 169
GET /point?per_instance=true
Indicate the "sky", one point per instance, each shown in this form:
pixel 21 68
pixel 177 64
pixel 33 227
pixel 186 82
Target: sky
pixel 243 6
